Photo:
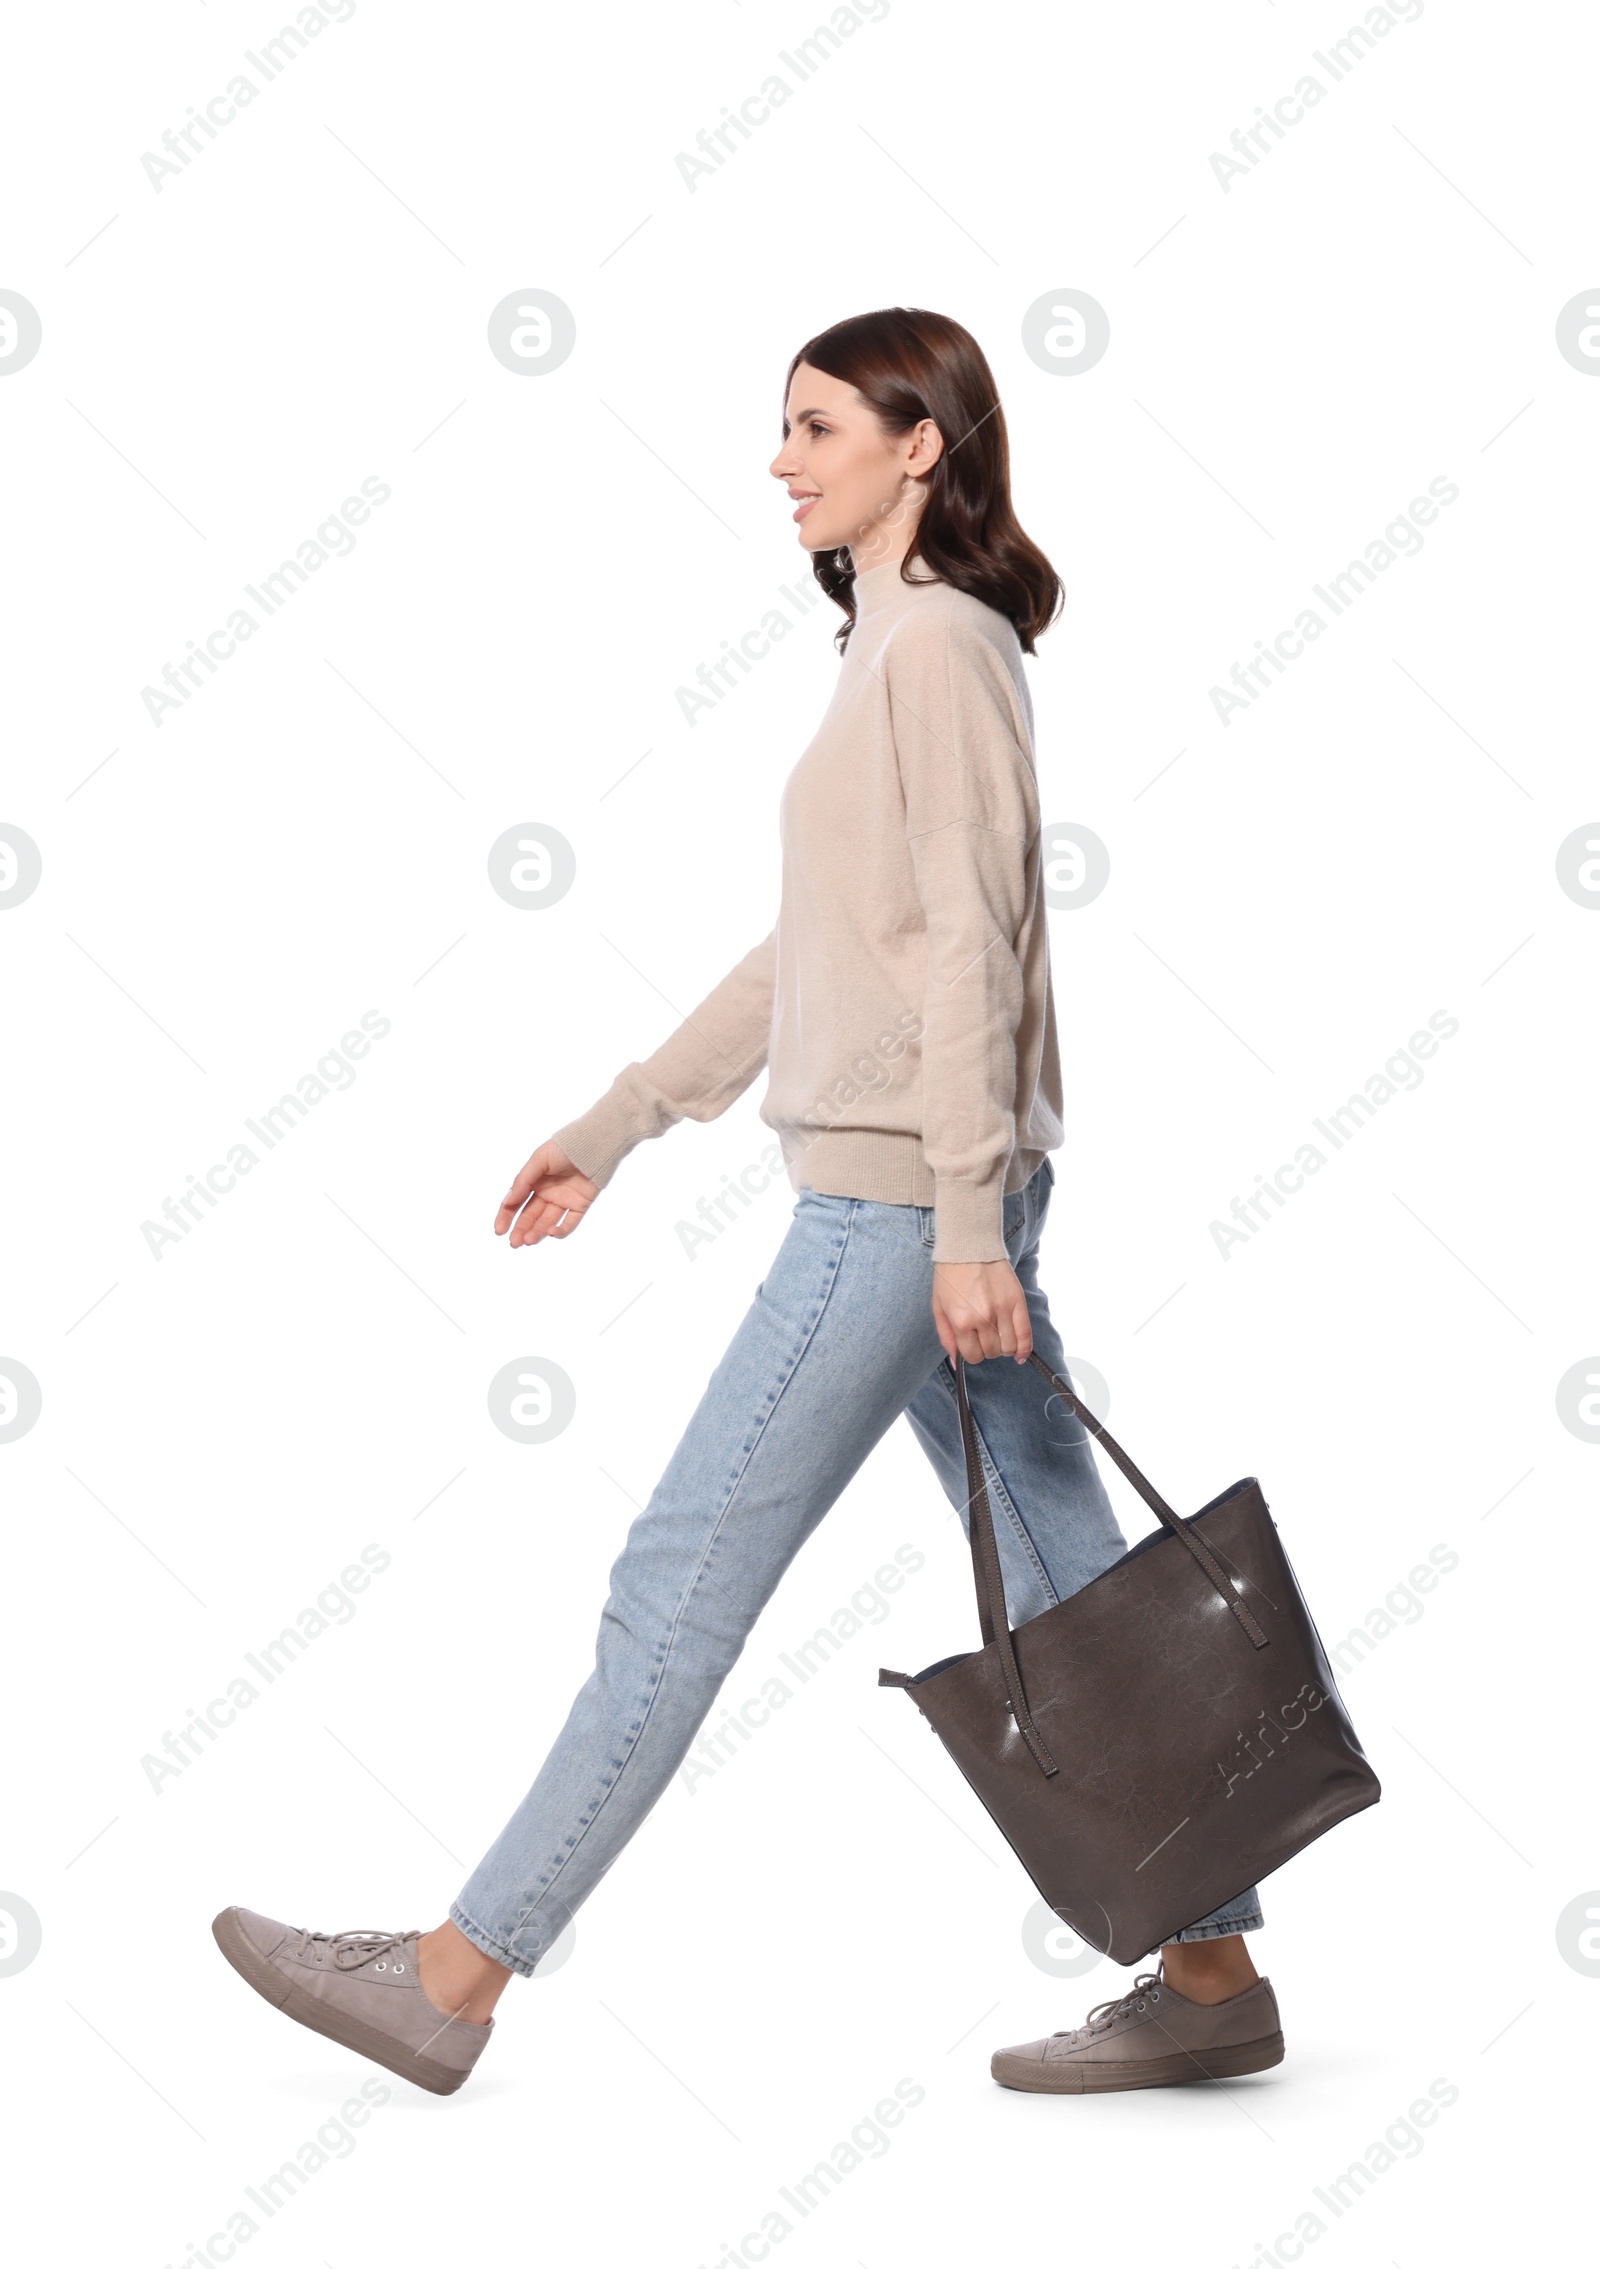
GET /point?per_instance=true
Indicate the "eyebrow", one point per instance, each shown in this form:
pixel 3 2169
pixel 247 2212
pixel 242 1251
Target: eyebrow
pixel 800 416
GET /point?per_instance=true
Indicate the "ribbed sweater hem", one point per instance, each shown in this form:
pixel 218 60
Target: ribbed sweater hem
pixel 892 1169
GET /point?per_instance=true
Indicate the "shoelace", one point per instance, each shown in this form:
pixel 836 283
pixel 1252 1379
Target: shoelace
pixel 1106 2013
pixel 353 1949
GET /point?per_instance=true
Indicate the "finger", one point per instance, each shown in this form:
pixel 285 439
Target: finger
pixel 537 1218
pixel 526 1176
pixel 1022 1330
pixel 510 1205
pixel 977 1329
pixel 546 1208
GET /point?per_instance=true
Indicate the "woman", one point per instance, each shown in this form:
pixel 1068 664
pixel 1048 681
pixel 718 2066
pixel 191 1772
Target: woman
pixel 902 1006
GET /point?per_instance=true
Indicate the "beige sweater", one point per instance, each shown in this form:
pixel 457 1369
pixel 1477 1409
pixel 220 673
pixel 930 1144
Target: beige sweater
pixel 902 1003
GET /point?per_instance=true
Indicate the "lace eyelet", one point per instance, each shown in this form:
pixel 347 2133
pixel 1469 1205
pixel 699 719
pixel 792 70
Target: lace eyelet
pixel 382 1965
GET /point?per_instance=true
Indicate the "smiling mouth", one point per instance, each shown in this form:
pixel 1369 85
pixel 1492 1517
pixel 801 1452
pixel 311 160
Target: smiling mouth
pixel 804 499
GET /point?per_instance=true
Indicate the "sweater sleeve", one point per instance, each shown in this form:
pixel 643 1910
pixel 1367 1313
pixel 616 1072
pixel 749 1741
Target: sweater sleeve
pixel 962 740
pixel 698 1072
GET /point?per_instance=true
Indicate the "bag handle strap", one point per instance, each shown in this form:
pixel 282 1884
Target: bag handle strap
pixel 993 1618
pixel 1200 1551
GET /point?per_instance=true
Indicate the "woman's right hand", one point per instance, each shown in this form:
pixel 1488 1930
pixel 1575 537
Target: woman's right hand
pixel 548 1198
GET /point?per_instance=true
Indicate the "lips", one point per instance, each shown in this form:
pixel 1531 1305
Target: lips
pixel 804 500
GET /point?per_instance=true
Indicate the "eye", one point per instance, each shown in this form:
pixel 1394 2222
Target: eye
pixel 817 426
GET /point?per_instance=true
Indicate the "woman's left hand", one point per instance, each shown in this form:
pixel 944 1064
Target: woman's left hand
pixel 981 1310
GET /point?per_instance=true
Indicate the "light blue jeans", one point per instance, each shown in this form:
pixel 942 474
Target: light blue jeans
pixel 838 1341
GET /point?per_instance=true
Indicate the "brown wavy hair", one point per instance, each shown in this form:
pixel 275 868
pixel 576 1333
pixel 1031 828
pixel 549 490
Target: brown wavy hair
pixel 911 364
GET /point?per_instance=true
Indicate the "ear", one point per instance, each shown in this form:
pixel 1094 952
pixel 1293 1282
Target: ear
pixel 927 447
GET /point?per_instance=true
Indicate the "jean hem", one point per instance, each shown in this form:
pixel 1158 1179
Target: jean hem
pixel 518 1963
pixel 1194 1930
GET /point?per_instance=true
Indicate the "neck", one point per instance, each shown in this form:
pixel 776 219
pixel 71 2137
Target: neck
pixel 883 548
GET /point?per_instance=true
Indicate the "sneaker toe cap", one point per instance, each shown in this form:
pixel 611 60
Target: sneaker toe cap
pixel 264 1934
pixel 1021 2065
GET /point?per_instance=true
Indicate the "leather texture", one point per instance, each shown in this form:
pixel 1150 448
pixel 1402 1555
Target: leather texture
pixel 1165 1737
pixel 1150 2036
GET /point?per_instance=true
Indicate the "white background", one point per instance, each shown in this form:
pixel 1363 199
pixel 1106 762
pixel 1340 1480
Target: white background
pixel 1292 360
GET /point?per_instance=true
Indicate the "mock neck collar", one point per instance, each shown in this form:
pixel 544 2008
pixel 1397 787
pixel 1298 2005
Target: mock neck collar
pixel 878 589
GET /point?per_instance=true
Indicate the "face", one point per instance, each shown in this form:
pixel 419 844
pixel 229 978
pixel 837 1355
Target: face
pixel 850 481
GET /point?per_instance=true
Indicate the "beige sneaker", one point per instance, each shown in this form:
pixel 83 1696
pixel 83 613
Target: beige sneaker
pixel 358 1987
pixel 1150 2037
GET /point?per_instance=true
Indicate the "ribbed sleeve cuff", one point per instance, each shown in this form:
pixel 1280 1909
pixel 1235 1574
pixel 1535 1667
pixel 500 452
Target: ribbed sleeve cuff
pixel 599 1140
pixel 967 1219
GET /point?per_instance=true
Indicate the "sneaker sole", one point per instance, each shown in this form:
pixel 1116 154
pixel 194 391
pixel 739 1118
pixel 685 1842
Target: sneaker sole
pixel 252 1965
pixel 1068 2079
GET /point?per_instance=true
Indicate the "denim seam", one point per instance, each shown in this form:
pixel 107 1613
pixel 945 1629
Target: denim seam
pixel 832 1277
